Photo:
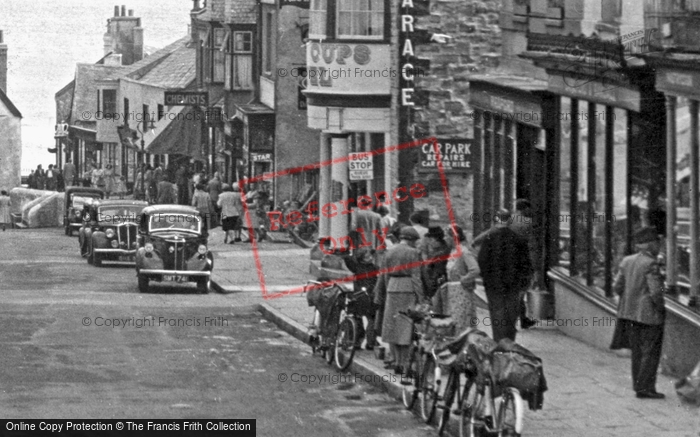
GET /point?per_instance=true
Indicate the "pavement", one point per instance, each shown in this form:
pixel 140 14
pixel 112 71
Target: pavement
pixel 590 390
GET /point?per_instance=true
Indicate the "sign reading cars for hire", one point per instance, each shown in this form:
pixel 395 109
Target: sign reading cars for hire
pixel 456 154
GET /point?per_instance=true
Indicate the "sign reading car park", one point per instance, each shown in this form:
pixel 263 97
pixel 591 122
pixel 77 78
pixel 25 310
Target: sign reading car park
pixel 186 98
pixel 456 155
pixel 361 167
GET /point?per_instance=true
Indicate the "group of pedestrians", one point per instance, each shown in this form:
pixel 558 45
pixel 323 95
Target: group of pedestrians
pixel 50 179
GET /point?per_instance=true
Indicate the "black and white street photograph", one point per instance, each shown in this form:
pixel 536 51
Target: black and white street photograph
pixel 350 218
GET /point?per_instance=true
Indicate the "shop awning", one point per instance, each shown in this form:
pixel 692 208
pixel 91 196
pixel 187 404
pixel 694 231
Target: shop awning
pixel 182 136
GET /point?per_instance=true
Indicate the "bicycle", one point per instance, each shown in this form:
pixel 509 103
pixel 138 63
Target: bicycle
pixel 340 347
pixel 421 369
pixel 318 341
pixel 480 411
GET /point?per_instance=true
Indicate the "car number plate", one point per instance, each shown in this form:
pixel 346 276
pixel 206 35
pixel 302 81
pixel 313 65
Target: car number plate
pixel 175 278
pixel 126 258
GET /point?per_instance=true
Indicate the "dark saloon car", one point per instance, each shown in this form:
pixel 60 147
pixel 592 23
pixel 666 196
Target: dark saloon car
pixel 173 247
pixel 110 230
pixel 75 200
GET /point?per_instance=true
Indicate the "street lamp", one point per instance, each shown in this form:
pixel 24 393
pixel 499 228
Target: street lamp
pixel 139 128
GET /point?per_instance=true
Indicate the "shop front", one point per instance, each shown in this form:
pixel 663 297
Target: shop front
pixel 613 178
pixel 514 140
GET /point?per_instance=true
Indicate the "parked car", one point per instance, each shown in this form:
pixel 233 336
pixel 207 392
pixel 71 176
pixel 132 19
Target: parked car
pixel 110 230
pixel 173 247
pixel 75 200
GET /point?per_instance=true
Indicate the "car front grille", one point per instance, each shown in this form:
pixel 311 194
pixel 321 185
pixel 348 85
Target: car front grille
pixel 126 235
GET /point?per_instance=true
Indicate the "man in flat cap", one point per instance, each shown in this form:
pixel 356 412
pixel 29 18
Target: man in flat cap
pixel 641 313
pixel 399 289
pixel 505 267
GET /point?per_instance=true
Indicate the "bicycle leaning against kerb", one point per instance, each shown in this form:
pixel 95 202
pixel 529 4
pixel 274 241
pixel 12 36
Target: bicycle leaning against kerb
pixel 334 333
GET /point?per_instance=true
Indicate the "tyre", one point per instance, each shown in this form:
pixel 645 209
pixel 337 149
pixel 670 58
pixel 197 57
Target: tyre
pixel 143 284
pixel 203 285
pixel 96 259
pixel 451 387
pixel 510 414
pixel 344 349
pixel 468 411
pixel 429 390
pixel 411 389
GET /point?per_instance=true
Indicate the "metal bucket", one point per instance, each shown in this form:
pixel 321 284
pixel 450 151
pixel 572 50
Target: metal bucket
pixel 539 304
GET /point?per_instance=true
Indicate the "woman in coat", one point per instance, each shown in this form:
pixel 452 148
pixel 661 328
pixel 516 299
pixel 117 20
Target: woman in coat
pixel 457 299
pixel 202 202
pixel 109 180
pixel 399 290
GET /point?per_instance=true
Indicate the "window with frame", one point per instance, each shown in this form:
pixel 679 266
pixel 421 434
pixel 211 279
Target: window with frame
pixel 242 60
pixel 217 55
pixel 109 103
pixel 205 56
pixel 267 35
pixel 318 19
pixel 362 19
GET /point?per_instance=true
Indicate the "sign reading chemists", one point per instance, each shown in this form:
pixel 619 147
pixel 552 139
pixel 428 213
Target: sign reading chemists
pixel 456 154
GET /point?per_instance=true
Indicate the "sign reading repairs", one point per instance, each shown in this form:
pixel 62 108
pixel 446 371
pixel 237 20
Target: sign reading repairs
pixel 455 154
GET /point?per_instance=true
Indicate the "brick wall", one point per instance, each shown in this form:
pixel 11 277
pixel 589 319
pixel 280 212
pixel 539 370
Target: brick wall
pixel 474 49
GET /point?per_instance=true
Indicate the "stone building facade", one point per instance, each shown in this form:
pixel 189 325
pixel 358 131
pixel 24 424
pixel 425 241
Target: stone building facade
pixel 10 130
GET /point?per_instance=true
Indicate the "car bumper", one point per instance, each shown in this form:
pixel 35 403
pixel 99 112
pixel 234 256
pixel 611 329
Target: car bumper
pixel 121 252
pixel 149 272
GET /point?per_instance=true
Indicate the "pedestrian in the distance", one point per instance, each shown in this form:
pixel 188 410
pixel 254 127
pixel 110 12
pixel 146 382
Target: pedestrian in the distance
pixel 435 248
pixel 230 204
pixel 202 202
pixel 182 181
pixel 50 178
pixel 166 192
pixel 399 290
pixel 109 180
pixel 69 173
pixel 215 188
pixel 641 312
pixel 505 267
pixel 39 177
pixel 31 181
pixel 5 203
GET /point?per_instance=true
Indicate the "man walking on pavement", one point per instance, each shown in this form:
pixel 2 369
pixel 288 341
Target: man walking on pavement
pixel 69 173
pixel 641 312
pixel 505 268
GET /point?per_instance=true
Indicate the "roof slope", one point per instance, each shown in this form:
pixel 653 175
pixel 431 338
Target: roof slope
pixel 84 100
pixel 243 11
pixel 8 103
pixel 177 70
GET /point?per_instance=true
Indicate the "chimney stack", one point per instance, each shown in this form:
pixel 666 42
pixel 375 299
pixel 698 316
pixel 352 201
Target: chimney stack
pixel 3 63
pixel 124 36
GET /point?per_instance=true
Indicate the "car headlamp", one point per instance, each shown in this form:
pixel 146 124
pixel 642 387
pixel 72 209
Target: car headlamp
pixel 115 244
pixel 202 249
pixel 109 233
pixel 148 247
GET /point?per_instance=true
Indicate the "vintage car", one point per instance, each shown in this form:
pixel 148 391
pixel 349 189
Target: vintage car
pixel 75 200
pixel 173 247
pixel 110 230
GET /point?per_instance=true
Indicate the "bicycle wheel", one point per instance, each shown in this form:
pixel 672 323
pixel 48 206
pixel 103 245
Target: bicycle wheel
pixel 471 401
pixel 344 349
pixel 510 414
pixel 410 390
pixel 451 387
pixel 429 389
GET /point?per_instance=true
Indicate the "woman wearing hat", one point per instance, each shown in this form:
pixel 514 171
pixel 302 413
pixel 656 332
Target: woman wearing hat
pixel 435 248
pixel 457 299
pixel 230 204
pixel 399 290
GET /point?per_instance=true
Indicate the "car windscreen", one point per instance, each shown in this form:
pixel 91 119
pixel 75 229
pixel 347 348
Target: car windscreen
pixel 118 214
pixel 173 221
pixel 79 201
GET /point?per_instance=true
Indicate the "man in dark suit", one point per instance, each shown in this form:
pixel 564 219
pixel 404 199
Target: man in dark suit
pixel 505 267
pixel 641 312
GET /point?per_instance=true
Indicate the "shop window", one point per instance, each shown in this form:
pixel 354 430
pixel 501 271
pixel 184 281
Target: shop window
pixel 683 190
pixel 317 19
pixel 205 55
pixel 567 178
pixel 362 19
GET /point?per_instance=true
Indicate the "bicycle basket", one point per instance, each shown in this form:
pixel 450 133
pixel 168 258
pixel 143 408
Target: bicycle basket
pixel 439 329
pixel 479 349
pixel 511 369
